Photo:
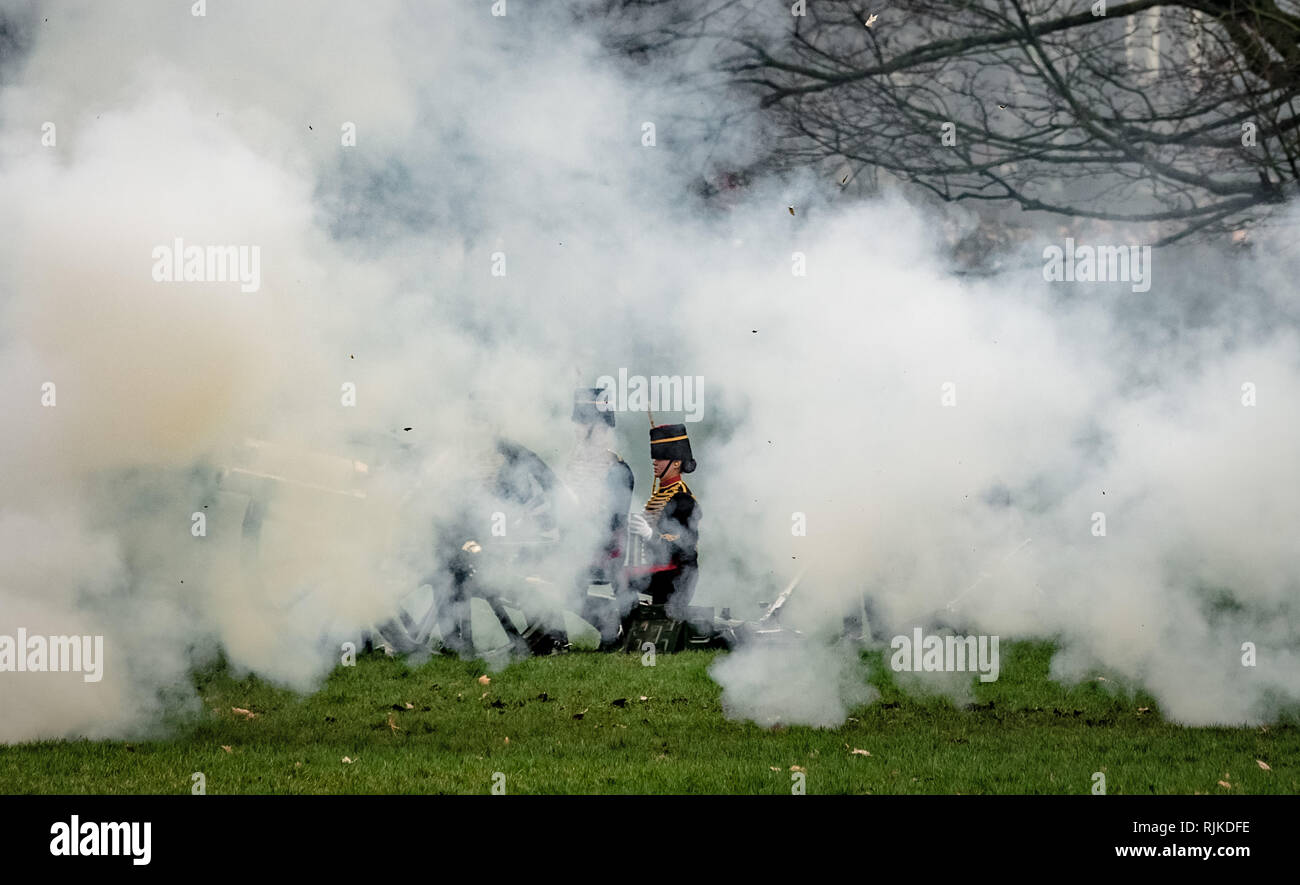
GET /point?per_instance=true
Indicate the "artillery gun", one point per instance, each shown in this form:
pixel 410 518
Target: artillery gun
pixel 487 594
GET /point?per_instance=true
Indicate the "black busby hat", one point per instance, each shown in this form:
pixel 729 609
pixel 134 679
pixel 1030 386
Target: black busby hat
pixel 669 442
pixel 591 405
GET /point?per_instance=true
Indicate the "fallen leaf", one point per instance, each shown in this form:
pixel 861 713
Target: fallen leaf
pixel 1262 764
pixel 410 706
pixel 644 698
pixel 392 722
pixel 347 761
pixel 483 695
pixel 484 679
pixel 1225 785
pixel 227 749
pixel 297 765
pixel 1142 710
pixel 247 714
pixel 507 740
pixel 871 20
pixel 796 768
pixel 860 753
pixel 775 767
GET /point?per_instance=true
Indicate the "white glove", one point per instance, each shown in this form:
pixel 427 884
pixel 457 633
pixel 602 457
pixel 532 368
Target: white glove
pixel 638 526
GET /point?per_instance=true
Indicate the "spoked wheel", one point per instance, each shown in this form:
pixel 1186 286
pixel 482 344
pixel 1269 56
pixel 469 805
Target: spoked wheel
pixel 525 481
pixel 412 629
pixel 526 489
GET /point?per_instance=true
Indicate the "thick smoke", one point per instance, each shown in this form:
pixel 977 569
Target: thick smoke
pixel 515 139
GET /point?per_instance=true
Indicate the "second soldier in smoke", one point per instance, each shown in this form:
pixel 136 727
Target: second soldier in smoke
pixel 603 484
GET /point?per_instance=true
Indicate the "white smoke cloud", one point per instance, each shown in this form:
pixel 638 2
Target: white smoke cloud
pixel 479 135
pixel 799 682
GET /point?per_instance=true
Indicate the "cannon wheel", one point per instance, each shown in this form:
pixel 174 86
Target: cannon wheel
pixel 523 480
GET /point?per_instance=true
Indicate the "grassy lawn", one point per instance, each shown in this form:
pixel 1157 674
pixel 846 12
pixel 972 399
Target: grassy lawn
pixel 577 724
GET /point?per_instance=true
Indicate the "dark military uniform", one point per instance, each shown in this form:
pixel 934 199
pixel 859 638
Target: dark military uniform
pixel 670 554
pixel 603 484
pixel 619 483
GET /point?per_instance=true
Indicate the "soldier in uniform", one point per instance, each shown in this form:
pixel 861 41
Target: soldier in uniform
pixel 668 525
pixel 602 482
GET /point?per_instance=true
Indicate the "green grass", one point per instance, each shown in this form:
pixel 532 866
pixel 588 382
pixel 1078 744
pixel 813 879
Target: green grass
pixel 568 733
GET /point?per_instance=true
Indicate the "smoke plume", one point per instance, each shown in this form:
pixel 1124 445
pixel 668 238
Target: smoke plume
pixel 499 233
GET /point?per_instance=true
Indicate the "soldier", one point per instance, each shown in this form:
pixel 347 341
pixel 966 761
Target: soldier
pixel 667 527
pixel 603 484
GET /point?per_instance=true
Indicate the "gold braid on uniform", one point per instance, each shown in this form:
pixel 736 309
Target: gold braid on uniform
pixel 660 498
